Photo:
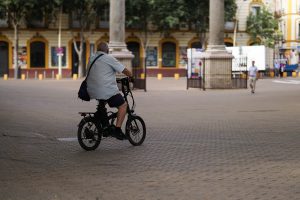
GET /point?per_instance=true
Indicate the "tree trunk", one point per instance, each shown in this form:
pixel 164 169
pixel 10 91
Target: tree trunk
pixel 79 51
pixel 79 54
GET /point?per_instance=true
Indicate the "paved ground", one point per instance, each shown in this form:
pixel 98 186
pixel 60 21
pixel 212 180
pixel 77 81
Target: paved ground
pixel 212 145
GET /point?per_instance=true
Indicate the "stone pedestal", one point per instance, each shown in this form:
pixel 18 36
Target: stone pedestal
pixel 117 45
pixel 217 69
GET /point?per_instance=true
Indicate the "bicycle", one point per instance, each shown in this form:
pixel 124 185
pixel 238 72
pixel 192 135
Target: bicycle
pixel 96 125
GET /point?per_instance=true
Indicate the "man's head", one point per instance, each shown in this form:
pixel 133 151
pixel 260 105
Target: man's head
pixel 103 47
pixel 253 63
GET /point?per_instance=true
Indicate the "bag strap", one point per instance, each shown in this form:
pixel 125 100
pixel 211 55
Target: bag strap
pixel 92 65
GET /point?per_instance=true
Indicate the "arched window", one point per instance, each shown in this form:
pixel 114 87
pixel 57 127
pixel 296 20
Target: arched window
pixel 134 47
pixel 196 45
pixel 228 44
pixel 169 54
pixel 37 54
pixel 254 42
pixel 4 62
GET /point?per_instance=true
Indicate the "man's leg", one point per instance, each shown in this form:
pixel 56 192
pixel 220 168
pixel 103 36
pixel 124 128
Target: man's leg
pixel 119 102
pixel 254 84
pixel 251 84
pixel 121 114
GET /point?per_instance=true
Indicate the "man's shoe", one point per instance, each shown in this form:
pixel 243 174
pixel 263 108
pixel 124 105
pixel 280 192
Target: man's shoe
pixel 119 134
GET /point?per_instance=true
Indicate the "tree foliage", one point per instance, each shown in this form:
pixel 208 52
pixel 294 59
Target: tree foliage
pixel 15 10
pixel 262 25
pixel 168 14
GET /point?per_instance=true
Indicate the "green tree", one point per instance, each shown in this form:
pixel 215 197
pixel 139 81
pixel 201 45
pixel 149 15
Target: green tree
pixel 84 11
pixel 168 14
pixel 262 25
pixel 230 10
pixel 138 15
pixel 15 11
pixel 44 10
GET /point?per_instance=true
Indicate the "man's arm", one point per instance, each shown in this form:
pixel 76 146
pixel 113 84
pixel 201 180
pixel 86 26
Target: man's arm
pixel 127 72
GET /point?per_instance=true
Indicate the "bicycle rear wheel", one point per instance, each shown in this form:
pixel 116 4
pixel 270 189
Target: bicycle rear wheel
pixel 89 135
pixel 135 130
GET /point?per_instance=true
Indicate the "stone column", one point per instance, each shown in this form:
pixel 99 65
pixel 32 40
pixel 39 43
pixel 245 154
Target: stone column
pixel 216 25
pixel 218 62
pixel 117 45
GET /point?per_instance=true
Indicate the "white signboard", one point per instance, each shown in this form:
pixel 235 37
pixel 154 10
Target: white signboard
pixel 253 53
pixel 195 65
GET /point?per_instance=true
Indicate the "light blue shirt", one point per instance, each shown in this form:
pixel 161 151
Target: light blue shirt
pixel 252 71
pixel 101 82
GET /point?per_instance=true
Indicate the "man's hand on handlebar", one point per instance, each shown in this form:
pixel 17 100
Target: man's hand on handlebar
pixel 131 79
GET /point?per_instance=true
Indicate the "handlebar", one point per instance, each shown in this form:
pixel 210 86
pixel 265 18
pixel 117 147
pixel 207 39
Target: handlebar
pixel 126 90
pixel 124 80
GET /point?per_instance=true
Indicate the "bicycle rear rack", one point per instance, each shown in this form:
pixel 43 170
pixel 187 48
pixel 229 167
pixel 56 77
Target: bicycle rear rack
pixel 86 113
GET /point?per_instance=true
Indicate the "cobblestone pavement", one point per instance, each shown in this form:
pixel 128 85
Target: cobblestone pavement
pixel 212 145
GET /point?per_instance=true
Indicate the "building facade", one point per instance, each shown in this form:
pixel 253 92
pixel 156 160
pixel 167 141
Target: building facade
pixel 164 54
pixel 288 13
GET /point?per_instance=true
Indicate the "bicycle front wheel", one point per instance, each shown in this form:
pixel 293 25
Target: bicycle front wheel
pixel 135 130
pixel 89 135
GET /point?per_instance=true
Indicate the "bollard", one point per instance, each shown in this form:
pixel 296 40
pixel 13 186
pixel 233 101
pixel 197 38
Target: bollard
pixel 298 74
pixel 244 76
pixel 35 74
pixel 272 74
pixel 5 77
pixel 44 74
pixel 52 74
pixel 142 76
pixel 40 77
pixel 58 77
pixel 176 76
pixel 27 75
pixel 294 74
pixel 284 74
pixel 75 76
pixel 23 77
pixel 159 76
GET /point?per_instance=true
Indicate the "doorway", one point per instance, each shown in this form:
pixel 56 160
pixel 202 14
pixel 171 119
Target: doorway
pixel 3 58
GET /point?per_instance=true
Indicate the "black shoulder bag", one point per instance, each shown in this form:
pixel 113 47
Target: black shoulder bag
pixel 83 93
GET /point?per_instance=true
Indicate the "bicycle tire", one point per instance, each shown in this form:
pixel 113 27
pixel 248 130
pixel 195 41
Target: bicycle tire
pixel 134 126
pixel 89 133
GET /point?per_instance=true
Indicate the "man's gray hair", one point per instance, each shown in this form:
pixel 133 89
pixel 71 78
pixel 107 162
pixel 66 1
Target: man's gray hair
pixel 103 46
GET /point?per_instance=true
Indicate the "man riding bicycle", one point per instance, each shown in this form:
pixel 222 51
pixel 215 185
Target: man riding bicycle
pixel 102 85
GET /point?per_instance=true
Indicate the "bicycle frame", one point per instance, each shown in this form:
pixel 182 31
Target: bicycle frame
pixel 101 123
pixel 102 116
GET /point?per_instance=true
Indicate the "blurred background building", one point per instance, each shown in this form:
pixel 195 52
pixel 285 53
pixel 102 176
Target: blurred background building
pixel 165 53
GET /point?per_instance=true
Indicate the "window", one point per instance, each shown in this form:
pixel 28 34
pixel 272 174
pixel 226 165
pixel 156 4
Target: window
pixel 255 10
pixel 151 56
pixel 134 47
pixel 104 17
pixel 35 22
pixel 75 20
pixel 37 54
pixel 196 45
pixel 298 38
pixel 4 58
pixel 54 56
pixel 169 54
pixel 228 44
pixel 3 23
